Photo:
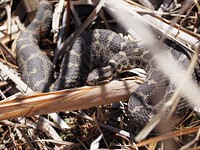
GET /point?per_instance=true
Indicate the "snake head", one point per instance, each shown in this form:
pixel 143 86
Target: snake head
pixel 100 76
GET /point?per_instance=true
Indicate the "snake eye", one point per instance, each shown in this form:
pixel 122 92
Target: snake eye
pixel 92 78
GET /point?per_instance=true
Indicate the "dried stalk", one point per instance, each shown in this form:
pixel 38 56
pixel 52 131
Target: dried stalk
pixel 65 100
pixel 166 136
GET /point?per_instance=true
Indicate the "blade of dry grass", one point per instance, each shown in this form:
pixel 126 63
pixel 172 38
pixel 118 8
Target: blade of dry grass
pixel 45 126
pixel 188 145
pixel 166 136
pixel 59 121
pixel 14 29
pixel 147 4
pixel 22 86
pixel 56 18
pixel 177 33
pixel 6 52
pixel 8 12
pixel 75 14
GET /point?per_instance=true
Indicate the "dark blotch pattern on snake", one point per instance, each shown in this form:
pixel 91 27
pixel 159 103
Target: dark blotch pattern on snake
pixel 101 49
pixel 35 66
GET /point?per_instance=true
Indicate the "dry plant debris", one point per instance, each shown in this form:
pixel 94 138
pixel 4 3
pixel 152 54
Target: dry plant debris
pixel 89 117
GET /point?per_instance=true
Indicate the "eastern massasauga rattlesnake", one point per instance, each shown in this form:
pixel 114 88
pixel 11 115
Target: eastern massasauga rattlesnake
pixel 95 49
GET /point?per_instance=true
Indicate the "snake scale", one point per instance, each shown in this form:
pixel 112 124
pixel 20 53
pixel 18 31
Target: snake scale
pixel 93 53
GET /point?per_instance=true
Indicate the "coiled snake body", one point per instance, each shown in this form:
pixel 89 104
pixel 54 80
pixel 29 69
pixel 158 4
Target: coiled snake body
pixel 102 49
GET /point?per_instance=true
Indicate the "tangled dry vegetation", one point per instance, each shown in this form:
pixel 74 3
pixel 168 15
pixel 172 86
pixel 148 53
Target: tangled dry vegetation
pixel 89 117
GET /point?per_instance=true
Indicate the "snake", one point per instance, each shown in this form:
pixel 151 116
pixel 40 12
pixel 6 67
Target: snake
pixel 95 56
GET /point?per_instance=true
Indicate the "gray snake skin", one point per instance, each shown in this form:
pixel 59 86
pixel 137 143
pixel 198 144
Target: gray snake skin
pixel 95 56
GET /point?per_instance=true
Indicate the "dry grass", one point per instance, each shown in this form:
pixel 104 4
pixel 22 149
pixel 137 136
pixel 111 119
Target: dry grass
pixel 100 123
